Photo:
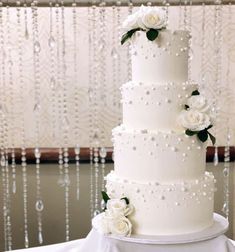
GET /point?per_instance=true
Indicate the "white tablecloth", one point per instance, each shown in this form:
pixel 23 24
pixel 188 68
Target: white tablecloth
pixel 96 242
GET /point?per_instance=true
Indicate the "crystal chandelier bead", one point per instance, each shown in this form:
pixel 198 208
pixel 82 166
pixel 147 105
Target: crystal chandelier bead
pixel 37 47
pixel 103 152
pixel 39 206
pixel 51 42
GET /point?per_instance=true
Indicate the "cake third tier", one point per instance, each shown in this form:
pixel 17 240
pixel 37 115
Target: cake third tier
pixel 147 156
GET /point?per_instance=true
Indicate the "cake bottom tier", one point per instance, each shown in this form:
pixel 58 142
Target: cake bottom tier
pixel 167 209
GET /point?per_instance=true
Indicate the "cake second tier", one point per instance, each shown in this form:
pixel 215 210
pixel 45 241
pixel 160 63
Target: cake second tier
pixel 155 156
pixel 153 105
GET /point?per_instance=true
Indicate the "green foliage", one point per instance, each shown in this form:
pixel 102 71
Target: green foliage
pixel 126 199
pixel 195 92
pixel 128 35
pixel 152 34
pixel 105 197
pixel 202 134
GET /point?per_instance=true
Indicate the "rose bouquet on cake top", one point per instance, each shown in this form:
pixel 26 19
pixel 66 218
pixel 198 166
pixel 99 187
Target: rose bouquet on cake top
pixel 148 19
pixel 197 117
pixel 113 219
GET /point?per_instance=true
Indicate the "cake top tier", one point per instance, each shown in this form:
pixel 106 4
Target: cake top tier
pixel 158 54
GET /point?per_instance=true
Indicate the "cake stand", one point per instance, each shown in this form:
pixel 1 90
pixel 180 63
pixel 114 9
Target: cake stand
pixel 219 227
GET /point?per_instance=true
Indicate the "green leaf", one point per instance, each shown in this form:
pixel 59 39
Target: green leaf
pixel 129 34
pixel 105 197
pixel 213 139
pixel 186 106
pixel 209 127
pixel 126 199
pixel 195 92
pixel 152 34
pixel 190 132
pixel 202 135
pixel 125 37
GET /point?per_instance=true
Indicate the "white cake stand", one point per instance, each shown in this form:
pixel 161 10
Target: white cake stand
pixel 219 227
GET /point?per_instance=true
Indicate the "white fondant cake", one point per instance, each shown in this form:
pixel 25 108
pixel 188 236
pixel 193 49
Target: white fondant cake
pixel 157 166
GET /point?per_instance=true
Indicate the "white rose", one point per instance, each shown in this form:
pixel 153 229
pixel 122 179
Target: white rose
pixel 152 17
pixel 121 226
pixel 194 120
pixel 116 206
pixel 198 102
pixel 103 224
pixel 131 22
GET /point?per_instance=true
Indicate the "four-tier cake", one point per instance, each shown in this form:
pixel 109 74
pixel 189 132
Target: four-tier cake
pixel 158 167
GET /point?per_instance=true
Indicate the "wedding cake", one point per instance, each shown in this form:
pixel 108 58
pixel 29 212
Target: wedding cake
pixel 159 150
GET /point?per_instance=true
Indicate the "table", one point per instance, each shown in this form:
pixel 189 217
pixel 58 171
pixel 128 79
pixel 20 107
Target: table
pixel 96 242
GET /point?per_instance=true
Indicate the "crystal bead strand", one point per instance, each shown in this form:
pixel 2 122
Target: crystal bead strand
pixel 226 170
pixel 166 5
pixel 26 30
pixel 203 46
pixel 180 15
pixel 65 126
pixel 103 90
pixel 12 98
pixel 185 16
pixel 218 58
pixel 118 4
pixel 59 98
pixel 76 100
pixel 90 95
pixel 2 130
pixel 23 150
pixel 190 53
pixel 7 127
pixel 51 44
pixel 114 55
pixel 3 162
pixel 95 126
pixel 129 69
pixel 39 205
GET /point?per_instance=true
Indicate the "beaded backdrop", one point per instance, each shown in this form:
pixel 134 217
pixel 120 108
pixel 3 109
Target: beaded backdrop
pixel 86 56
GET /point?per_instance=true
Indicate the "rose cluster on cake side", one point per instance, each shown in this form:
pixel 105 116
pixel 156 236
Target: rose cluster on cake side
pixel 197 118
pixel 114 219
pixel 148 19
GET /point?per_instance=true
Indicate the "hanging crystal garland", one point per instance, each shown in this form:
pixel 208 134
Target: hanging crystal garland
pixel 166 5
pixel 23 149
pixel 203 46
pixel 95 123
pixel 180 15
pixel 103 91
pixel 218 60
pixel 7 128
pixel 65 123
pixel 226 170
pixel 39 205
pixel 4 137
pixel 118 25
pixel 26 30
pixel 58 101
pixel 129 68
pixel 52 44
pixel 12 98
pixel 76 100
pixel 190 53
pixel 185 15
pixel 90 96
